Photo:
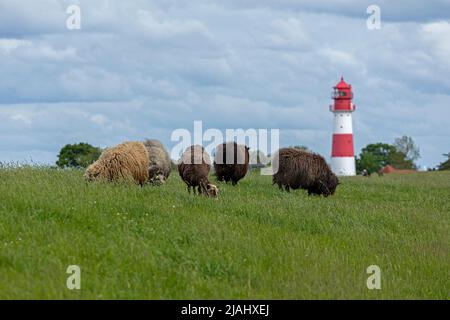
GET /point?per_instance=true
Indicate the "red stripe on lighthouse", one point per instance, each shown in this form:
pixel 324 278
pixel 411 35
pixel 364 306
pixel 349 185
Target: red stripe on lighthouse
pixel 342 145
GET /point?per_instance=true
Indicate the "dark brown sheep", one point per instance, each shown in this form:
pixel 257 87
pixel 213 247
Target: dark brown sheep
pixel 305 170
pixel 231 162
pixel 194 168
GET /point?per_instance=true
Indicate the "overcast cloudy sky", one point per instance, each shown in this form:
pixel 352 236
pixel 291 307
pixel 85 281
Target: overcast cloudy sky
pixel 140 69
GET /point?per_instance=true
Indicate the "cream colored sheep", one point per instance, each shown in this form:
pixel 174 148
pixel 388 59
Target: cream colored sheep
pixel 128 161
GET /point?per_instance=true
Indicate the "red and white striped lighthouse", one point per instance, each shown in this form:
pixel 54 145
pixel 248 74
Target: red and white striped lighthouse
pixel 342 153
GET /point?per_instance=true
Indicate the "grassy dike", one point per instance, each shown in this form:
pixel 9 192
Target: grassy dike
pixel 254 242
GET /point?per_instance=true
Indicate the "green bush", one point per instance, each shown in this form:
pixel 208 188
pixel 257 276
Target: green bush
pixel 78 155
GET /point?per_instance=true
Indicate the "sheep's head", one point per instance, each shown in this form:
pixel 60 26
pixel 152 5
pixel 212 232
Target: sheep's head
pixel 92 173
pixel 158 179
pixel 156 176
pixel 161 178
pixel 212 190
pixel 328 188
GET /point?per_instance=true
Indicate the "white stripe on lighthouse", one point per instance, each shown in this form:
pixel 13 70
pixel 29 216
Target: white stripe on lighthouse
pixel 342 123
pixel 343 166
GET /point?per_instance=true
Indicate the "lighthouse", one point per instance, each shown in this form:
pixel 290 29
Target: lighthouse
pixel 342 152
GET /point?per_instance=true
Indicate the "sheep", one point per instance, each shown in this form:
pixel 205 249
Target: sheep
pixel 193 168
pixel 159 161
pixel 305 170
pixel 128 161
pixel 365 173
pixel 231 162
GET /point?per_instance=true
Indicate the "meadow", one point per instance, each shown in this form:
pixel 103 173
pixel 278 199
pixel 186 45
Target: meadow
pixel 254 242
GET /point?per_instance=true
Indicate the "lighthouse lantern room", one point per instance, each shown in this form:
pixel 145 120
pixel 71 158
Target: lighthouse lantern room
pixel 342 153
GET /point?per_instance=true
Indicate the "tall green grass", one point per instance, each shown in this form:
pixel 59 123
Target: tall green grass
pixel 254 242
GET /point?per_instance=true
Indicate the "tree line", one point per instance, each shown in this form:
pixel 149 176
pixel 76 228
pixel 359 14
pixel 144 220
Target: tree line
pixel 402 154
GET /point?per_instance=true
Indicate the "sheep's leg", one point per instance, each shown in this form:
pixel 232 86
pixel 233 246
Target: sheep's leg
pixel 202 189
pixel 205 191
pixel 287 188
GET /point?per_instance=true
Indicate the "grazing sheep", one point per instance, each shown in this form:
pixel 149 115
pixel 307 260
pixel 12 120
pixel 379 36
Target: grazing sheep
pixel 305 170
pixel 127 161
pixel 159 161
pixel 365 173
pixel 231 162
pixel 194 168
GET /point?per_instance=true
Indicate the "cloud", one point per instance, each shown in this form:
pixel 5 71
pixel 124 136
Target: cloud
pixel 28 17
pixel 160 28
pixel 437 36
pixel 287 33
pixel 9 45
pixel 140 69
pixel 392 11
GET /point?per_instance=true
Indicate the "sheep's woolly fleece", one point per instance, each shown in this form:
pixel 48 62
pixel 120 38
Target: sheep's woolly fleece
pixel 128 161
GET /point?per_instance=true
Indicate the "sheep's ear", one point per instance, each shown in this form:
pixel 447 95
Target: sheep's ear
pixel 247 148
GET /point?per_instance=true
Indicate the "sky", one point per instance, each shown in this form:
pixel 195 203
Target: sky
pixel 141 69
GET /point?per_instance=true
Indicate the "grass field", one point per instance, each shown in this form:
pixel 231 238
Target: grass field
pixel 254 242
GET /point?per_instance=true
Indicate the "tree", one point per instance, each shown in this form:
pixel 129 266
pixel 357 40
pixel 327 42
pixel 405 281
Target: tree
pixel 369 162
pixel 407 146
pixel 375 156
pixel 399 160
pixel 78 155
pixel 446 164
